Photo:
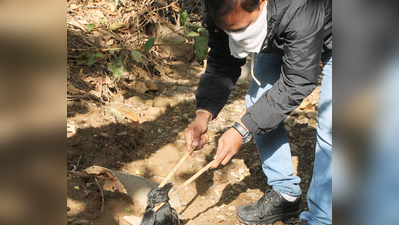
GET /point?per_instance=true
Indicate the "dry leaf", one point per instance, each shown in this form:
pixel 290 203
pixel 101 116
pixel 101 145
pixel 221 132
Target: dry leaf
pixel 71 129
pixel 111 110
pixel 73 90
pixel 104 135
pixel 115 26
pixel 129 115
pixel 306 105
pixel 111 182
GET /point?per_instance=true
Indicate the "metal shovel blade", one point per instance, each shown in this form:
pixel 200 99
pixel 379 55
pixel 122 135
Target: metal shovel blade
pixel 138 187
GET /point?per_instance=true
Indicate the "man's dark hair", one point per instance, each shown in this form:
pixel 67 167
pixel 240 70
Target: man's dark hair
pixel 218 9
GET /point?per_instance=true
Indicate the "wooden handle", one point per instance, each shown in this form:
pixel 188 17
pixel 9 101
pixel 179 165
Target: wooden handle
pixel 179 164
pixel 195 176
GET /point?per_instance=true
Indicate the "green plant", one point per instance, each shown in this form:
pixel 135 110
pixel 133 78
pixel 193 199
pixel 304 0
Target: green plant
pixel 89 57
pixel 184 19
pixel 90 27
pixel 136 55
pixel 201 48
pixel 149 44
pixel 117 67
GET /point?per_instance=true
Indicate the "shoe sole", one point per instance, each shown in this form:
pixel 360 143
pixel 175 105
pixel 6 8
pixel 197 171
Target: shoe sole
pixel 290 218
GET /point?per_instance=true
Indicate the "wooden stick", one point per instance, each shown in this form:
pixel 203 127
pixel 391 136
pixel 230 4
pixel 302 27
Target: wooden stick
pixel 179 164
pixel 195 176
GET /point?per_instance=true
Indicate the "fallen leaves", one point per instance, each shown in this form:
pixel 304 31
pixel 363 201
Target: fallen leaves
pixel 111 182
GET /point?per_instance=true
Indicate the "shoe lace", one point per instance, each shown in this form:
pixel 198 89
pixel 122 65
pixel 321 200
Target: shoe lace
pixel 264 201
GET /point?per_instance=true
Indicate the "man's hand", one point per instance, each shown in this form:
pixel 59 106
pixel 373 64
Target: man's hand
pixel 228 146
pixel 197 133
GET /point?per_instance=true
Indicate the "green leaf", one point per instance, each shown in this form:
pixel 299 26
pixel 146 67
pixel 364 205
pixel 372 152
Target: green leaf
pixel 99 55
pixel 127 209
pixel 136 55
pixel 90 60
pixel 194 27
pixel 201 48
pixel 117 67
pixel 102 21
pixel 192 34
pixel 77 187
pixel 90 26
pixel 184 18
pixel 148 45
pixel 116 3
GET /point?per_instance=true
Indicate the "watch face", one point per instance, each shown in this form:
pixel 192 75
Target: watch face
pixel 247 138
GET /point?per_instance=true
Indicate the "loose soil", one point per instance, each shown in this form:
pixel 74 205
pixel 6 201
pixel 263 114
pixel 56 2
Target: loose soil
pixel 135 124
pixel 153 145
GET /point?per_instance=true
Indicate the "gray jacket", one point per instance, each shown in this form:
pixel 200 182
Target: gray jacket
pixel 299 30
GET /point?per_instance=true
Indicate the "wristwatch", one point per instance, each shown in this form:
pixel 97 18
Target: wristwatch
pixel 246 135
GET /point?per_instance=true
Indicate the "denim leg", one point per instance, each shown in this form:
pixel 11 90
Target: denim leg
pixel 273 147
pixel 319 196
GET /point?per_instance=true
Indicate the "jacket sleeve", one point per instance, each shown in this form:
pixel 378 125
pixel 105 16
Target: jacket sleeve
pixel 299 74
pixel 221 74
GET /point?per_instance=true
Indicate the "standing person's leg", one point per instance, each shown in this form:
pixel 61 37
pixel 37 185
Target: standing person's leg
pixel 273 147
pixel 275 154
pixel 319 196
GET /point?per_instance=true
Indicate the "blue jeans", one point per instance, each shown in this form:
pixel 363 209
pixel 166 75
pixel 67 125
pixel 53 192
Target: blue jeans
pixel 274 149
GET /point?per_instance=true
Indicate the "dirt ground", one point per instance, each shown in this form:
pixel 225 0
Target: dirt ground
pixel 153 145
pixel 135 124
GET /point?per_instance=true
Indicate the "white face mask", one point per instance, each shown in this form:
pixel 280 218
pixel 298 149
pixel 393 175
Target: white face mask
pixel 250 39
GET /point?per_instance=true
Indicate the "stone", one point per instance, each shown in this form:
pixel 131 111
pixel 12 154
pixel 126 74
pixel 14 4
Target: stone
pixel 312 115
pixel 149 102
pixel 153 112
pixel 220 218
pixel 142 153
pixel 289 120
pixel 242 184
pixel 161 102
pixel 167 36
pixel 306 104
pixel 231 208
pixel 184 89
pixel 303 120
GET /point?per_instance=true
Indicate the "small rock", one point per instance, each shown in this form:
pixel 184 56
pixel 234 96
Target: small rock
pixel 217 209
pixel 153 112
pixel 289 120
pixel 176 131
pixel 136 100
pixel 142 153
pixel 253 195
pixel 200 160
pixel 303 120
pixel 312 115
pixel 232 208
pixel 287 128
pixel 161 102
pixel 184 89
pixel 233 174
pixel 241 171
pixel 149 102
pixel 220 218
pixel 242 183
